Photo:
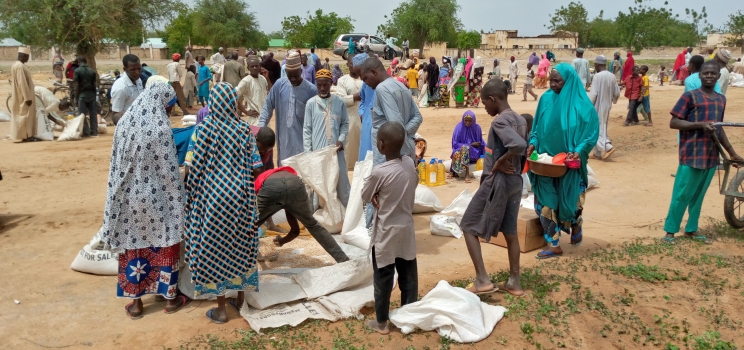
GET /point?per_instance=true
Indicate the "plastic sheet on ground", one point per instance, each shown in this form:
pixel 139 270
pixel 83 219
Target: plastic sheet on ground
pixel 453 312
pixel 354 230
pixel 331 293
pixel 322 180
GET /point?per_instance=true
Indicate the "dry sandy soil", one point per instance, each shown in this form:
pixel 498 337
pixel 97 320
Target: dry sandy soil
pixel 53 196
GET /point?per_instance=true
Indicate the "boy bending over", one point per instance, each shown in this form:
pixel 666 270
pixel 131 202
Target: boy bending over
pixel 391 188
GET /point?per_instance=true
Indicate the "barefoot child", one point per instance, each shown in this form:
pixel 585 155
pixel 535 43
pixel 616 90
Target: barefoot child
pixel 495 206
pixel 662 74
pixel 391 188
pixel 528 83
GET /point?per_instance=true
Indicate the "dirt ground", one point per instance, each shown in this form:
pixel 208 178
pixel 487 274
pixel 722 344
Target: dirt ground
pixel 53 196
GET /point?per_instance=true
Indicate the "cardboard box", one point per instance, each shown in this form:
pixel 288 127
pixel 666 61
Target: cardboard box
pixel 529 231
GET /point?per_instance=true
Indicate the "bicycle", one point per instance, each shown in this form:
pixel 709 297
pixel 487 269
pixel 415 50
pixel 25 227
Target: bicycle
pixel 10 95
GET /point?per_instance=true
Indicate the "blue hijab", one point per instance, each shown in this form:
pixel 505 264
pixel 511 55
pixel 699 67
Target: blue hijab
pixel 564 122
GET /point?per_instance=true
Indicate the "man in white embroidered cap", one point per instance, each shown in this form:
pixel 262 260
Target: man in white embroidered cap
pixel 23 109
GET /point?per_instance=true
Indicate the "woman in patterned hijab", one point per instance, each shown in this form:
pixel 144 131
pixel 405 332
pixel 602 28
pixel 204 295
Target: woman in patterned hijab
pixel 143 218
pixel 221 236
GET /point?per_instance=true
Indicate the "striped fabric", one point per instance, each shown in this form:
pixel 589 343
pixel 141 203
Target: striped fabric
pixel 696 148
pixel 221 235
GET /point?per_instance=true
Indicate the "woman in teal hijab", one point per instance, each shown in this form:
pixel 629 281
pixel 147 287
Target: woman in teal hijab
pixel 565 121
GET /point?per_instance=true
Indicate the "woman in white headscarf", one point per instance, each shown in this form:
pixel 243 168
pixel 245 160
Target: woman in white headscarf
pixel 474 77
pixel 143 219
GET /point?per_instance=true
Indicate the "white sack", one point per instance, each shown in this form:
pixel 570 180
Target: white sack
pixel 92 259
pixel 326 280
pixel 4 116
pixel 322 180
pixel 187 124
pixel 443 225
pixel 592 177
pixel 453 312
pixel 736 80
pixel 102 128
pixel 354 217
pixel 73 130
pixel 426 201
pixel 44 131
pixel 273 294
pixel 459 205
pixel 189 118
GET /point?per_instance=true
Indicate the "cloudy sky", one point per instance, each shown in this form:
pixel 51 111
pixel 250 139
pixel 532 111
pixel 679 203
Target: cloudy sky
pixel 527 17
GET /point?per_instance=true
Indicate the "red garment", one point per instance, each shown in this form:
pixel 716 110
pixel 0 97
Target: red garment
pixel 680 61
pixel 261 178
pixel 633 87
pixel 683 73
pixel 70 70
pixel 628 67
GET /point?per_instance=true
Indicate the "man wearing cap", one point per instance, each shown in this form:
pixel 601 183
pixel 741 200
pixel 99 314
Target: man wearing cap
pixel 327 123
pixel 582 68
pixel 175 74
pixel 513 74
pixel 218 58
pixel 287 100
pixel 23 108
pixel 603 94
pixel 723 56
pixel 252 91
pixel 233 70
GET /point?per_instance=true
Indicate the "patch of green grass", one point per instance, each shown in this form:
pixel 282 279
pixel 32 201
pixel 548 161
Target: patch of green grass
pixel 710 340
pixel 641 272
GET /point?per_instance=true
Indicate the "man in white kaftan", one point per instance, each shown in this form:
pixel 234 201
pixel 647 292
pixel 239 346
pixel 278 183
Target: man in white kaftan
pixel 348 88
pixel 252 91
pixel 603 94
pixel 582 68
pixel 23 103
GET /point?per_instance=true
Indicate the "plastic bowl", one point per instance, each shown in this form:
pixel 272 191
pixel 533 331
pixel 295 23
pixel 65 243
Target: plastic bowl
pixel 549 170
pixel 559 158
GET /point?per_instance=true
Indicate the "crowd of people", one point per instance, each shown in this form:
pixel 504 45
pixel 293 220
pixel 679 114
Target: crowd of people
pixel 231 185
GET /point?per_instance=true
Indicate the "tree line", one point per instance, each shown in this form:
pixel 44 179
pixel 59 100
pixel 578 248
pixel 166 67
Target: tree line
pixel 89 26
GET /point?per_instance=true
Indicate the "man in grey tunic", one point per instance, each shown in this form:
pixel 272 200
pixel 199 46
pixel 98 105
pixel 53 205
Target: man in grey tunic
pixel 327 123
pixel 603 94
pixel 393 102
pixel 582 67
pixel 287 98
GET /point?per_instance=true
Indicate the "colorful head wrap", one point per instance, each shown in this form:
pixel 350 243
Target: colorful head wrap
pixel 323 74
pixel 176 56
pixel 359 59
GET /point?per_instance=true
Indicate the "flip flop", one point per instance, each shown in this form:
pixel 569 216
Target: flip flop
pixel 668 240
pixel 126 308
pixel 209 316
pixel 698 238
pixel 546 254
pixel 579 236
pixel 185 302
pixel 504 290
pixel 233 303
pixel 608 153
pixel 483 292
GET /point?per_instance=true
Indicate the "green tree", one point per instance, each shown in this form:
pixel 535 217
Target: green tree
pixel 180 31
pixel 228 23
pixel 699 22
pixel 82 25
pixel 735 27
pixel 467 40
pixel 423 21
pixel 645 26
pixel 601 33
pixel 275 35
pixel 571 18
pixel 315 30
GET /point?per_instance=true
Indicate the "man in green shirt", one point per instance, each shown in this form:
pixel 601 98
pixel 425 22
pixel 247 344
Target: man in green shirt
pixel 85 80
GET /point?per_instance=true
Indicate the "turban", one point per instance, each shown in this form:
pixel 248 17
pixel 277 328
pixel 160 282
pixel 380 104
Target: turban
pixel 512 57
pixel 24 49
pixel 359 59
pixel 323 74
pixel 293 61
pixel 176 56
pixel 724 54
pixel 600 60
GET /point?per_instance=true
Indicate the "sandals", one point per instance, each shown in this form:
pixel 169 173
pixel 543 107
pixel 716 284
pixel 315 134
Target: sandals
pixel 668 240
pixel 209 316
pixel 185 301
pixel 127 307
pixel 608 153
pixel 234 303
pixel 698 238
pixel 471 288
pixel 576 240
pixel 546 254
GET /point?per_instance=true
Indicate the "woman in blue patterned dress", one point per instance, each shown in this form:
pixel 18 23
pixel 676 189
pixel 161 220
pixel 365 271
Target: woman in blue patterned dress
pixel 221 236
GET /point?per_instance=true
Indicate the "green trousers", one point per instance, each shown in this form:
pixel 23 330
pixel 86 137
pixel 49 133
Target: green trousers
pixel 690 186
